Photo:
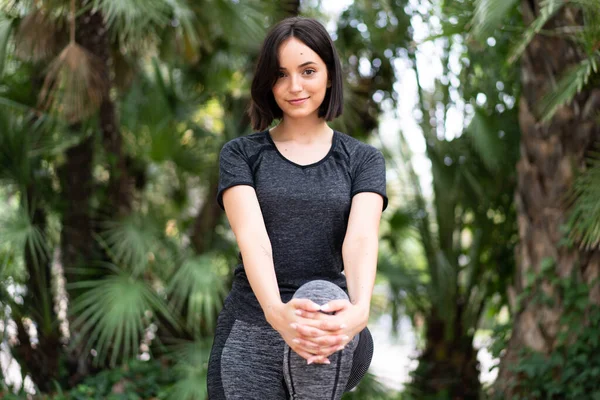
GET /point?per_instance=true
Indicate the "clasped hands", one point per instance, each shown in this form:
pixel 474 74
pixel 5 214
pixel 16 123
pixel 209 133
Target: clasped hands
pixel 313 334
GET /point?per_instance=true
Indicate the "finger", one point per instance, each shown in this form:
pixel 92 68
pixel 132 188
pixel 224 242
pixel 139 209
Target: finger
pixel 328 351
pixel 318 360
pixel 309 331
pixel 305 304
pixel 310 315
pixel 307 345
pixel 335 305
pixel 324 323
pixel 303 353
pixel 327 341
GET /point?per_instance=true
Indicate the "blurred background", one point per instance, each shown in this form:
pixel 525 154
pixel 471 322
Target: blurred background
pixel 115 257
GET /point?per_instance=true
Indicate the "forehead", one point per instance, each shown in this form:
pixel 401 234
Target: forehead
pixel 294 52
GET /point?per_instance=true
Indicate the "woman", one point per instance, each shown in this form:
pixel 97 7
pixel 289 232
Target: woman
pixel 304 202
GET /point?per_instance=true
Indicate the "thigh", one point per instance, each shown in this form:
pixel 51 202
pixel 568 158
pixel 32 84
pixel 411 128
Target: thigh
pixel 246 362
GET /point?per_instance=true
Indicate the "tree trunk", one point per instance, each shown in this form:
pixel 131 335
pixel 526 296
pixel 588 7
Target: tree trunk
pixel 92 34
pixel 551 155
pixel 76 240
pixel 448 367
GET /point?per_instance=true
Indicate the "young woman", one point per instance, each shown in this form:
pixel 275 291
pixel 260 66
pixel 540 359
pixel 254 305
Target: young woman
pixel 304 202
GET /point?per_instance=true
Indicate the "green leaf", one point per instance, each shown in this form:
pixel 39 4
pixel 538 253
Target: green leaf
pixel 569 85
pixel 111 315
pixel 18 231
pixel 485 140
pixel 6 27
pixel 547 9
pixel 191 360
pixel 584 215
pixel 132 241
pixel 198 285
pixel 489 14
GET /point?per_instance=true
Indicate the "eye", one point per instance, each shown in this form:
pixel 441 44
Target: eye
pixel 309 71
pixel 280 74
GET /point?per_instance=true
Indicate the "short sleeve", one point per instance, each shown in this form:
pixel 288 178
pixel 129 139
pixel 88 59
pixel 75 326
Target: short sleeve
pixel 234 169
pixel 369 174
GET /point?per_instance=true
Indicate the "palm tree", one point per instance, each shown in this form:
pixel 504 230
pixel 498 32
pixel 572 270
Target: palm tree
pixel 558 236
pixel 467 230
pixel 109 242
pixel 130 110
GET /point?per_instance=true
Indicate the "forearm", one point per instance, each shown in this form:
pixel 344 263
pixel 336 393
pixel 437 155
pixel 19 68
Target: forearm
pixel 258 264
pixel 360 265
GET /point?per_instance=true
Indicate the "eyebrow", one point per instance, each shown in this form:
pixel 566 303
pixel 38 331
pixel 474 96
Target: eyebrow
pixel 303 64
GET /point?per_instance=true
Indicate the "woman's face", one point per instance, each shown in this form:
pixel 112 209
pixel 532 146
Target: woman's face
pixel 302 80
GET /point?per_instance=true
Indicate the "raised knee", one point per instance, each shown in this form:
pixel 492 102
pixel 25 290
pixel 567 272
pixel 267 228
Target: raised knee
pixel 320 291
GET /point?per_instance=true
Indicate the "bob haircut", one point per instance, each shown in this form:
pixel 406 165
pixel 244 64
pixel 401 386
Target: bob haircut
pixel 263 108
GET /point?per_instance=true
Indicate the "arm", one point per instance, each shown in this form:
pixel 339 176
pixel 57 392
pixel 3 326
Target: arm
pixel 360 249
pixel 247 223
pixel 359 252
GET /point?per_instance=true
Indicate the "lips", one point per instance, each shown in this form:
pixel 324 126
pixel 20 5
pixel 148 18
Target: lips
pixel 296 102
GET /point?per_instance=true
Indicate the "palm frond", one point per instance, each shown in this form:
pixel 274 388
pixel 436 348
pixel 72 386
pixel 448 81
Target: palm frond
pixel 74 86
pixel 6 27
pixel 19 232
pixel 569 85
pixel 132 241
pixel 485 140
pixel 242 23
pixel 488 16
pixel 131 19
pixel 443 289
pixel 198 286
pixel 584 219
pixel 590 34
pixel 15 166
pixel 191 361
pixel 547 9
pixel 37 37
pixel 111 315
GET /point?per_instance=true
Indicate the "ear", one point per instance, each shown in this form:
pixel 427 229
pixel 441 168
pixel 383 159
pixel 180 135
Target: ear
pixel 328 84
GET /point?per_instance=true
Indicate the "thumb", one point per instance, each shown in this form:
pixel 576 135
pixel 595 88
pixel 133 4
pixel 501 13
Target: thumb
pixel 335 305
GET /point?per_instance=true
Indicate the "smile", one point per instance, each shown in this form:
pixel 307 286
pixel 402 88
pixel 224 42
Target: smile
pixel 297 101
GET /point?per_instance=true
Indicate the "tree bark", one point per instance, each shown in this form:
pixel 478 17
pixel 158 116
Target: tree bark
pixel 551 155
pixel 92 34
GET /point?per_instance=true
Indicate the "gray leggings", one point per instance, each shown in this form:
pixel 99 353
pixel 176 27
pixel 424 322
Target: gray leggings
pixel 252 361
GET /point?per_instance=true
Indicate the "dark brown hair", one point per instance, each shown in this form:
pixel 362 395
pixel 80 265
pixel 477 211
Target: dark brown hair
pixel 263 108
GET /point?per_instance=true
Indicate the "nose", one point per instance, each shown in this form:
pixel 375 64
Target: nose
pixel 295 84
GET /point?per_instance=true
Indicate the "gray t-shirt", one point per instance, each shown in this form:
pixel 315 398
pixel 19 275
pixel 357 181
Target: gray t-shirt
pixel 305 207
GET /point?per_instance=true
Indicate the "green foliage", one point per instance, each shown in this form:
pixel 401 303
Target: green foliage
pixel 370 389
pixel 583 225
pixel 199 287
pixel 572 369
pixel 489 14
pixel 547 9
pixel 571 83
pixel 135 380
pixel 111 315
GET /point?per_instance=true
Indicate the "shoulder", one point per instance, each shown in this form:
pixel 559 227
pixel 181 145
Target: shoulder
pixel 246 145
pixel 357 151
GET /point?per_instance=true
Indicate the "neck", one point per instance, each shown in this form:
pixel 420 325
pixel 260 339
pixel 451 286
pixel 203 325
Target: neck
pixel 304 130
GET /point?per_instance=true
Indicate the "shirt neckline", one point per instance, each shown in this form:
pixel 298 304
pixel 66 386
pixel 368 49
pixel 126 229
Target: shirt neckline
pixel 333 144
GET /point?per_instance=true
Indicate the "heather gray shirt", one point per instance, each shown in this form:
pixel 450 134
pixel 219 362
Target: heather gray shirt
pixel 305 207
